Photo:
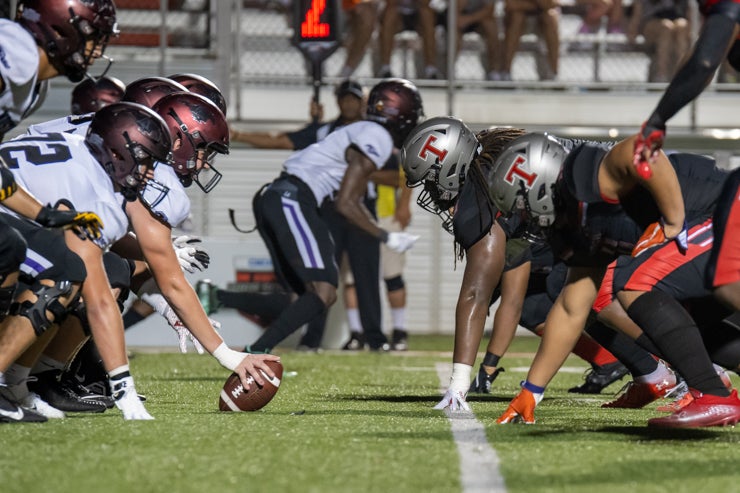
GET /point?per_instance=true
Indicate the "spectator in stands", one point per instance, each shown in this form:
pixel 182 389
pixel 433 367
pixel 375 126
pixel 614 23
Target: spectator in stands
pixel 667 31
pixel 595 10
pixel 408 15
pixel 361 16
pixel 548 17
pixel 478 16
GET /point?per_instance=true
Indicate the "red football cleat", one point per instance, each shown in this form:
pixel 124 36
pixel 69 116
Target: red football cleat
pixel 637 395
pixel 704 410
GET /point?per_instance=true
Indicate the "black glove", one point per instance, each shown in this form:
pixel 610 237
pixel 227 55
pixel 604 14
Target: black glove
pixel 85 224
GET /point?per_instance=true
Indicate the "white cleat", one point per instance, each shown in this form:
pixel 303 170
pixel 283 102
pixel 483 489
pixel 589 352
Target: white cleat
pixel 35 403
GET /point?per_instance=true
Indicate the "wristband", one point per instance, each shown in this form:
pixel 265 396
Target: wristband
pixel 228 358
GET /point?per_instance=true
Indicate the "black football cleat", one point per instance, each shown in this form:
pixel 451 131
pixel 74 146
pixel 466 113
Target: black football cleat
pixel 66 394
pixel 482 382
pixel 399 340
pixel 356 342
pixel 600 377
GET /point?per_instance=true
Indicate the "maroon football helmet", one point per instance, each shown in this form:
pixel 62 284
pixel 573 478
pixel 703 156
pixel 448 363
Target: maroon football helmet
pixel 395 104
pixel 200 85
pixel 90 95
pixel 62 29
pixel 128 139
pixel 202 132
pixel 149 90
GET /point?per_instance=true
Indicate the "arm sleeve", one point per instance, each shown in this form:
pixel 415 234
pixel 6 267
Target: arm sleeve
pixel 8 185
pixel 697 72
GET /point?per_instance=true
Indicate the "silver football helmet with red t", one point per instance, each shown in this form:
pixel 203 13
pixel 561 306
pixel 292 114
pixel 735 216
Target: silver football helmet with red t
pixel 128 139
pixel 200 132
pixel 437 155
pixel 63 28
pixel 524 177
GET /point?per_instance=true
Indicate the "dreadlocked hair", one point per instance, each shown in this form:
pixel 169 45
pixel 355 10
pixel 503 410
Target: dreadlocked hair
pixel 493 141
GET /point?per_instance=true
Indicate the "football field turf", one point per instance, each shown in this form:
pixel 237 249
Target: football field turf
pixel 359 422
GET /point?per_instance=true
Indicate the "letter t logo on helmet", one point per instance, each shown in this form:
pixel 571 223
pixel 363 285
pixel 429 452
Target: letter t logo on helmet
pixel 428 147
pixel 516 169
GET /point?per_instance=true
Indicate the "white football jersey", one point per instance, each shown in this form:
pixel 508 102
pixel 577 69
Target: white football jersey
pixel 322 165
pixel 19 62
pixel 173 209
pixel 59 166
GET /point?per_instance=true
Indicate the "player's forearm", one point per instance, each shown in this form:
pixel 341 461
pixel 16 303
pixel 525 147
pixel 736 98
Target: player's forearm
pixel 23 203
pixel 356 213
pixel 184 301
pixel 470 320
pixel 697 72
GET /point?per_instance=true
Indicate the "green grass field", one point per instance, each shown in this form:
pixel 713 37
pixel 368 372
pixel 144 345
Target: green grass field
pixel 357 423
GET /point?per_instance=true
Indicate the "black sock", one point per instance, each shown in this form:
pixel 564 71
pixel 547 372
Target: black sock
pixel 132 317
pixel 314 331
pixel 307 307
pixel 674 332
pixel 267 306
pixel 648 345
pixel 491 359
pixel 638 361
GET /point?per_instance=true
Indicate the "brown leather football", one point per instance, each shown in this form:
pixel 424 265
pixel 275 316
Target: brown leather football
pixel 235 398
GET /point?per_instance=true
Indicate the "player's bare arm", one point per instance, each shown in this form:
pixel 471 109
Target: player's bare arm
pixel 618 176
pixel 485 262
pixel 353 188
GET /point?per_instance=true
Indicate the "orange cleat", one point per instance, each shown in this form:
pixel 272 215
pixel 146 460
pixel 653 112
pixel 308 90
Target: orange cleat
pixel 521 408
pixel 703 410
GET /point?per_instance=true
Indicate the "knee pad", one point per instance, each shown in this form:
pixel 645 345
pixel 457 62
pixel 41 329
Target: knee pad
pixel 48 300
pixel 6 299
pixel 119 272
pixel 394 284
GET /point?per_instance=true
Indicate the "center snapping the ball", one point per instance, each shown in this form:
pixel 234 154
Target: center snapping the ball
pixel 235 398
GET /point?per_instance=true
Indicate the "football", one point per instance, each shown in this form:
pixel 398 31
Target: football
pixel 235 398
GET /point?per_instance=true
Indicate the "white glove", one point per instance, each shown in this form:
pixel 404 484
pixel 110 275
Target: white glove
pixel 438 5
pixel 454 400
pixel 190 256
pixel 400 241
pixel 161 306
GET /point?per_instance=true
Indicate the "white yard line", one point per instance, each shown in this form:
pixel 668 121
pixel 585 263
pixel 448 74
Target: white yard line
pixel 479 463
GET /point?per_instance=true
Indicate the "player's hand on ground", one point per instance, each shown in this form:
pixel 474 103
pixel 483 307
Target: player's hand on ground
pixel 251 366
pixel 190 254
pixel 648 144
pixel 521 409
pixel 85 224
pixel 454 400
pixel 400 241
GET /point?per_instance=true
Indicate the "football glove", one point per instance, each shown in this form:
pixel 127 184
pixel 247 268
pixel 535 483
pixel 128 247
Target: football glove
pixel 647 145
pixel 400 241
pixel 190 256
pixel 521 408
pixel 454 400
pixel 85 224
pixel 654 235
pixel 161 306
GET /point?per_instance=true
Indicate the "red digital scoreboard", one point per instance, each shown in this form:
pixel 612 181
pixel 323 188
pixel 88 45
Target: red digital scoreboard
pixel 316 28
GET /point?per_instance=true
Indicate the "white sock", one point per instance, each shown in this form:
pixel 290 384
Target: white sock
pixel 17 374
pixel 2 378
pixel 353 319
pixel 398 315
pixel 46 363
pixel 660 373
